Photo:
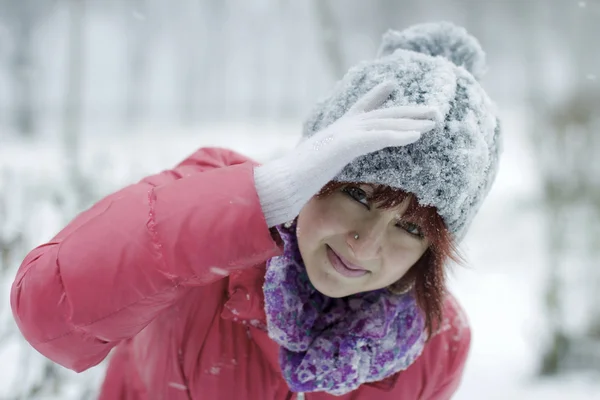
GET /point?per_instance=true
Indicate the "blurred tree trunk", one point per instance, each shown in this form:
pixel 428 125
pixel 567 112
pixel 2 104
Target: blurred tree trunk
pixel 291 55
pixel 568 148
pixel 331 37
pixel 202 36
pixel 582 37
pixel 139 37
pixel 22 71
pixel 21 17
pixel 190 35
pixel 531 16
pixel 72 112
pixel 216 46
pixel 588 84
pixel 572 191
pixel 259 57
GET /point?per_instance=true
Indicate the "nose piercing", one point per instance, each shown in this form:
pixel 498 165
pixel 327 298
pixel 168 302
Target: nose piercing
pixel 356 236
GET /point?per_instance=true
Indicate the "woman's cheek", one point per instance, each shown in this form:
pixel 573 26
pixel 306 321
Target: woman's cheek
pixel 315 217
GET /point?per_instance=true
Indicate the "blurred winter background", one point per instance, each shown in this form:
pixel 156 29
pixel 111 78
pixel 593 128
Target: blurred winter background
pixel 96 94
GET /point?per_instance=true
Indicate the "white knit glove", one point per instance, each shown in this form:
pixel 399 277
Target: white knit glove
pixel 286 184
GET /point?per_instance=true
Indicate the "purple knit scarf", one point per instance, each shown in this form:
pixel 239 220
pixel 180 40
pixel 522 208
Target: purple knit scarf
pixel 335 345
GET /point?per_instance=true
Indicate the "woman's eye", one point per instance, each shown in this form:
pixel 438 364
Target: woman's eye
pixel 411 228
pixel 358 195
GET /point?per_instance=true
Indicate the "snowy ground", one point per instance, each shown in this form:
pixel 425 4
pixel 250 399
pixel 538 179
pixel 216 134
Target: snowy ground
pixel 500 288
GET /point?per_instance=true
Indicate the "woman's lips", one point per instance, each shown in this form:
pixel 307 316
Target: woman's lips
pixel 344 267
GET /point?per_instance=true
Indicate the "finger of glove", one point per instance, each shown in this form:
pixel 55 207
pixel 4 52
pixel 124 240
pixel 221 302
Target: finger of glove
pixel 352 146
pixel 378 140
pixel 374 98
pixel 399 124
pixel 417 112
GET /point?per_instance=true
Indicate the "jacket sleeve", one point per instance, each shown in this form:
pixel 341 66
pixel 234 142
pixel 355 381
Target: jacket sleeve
pixel 116 266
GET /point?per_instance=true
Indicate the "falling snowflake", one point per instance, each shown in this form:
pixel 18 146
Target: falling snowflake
pixel 219 271
pixel 178 386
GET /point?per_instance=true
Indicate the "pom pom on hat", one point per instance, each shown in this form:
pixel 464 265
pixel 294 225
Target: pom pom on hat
pixel 438 39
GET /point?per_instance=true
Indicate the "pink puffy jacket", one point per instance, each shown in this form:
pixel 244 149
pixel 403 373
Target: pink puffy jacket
pixel 168 273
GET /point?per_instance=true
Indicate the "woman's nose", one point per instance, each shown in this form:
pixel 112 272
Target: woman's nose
pixel 366 243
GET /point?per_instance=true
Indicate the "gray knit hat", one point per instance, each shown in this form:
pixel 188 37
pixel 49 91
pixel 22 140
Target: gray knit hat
pixel 452 167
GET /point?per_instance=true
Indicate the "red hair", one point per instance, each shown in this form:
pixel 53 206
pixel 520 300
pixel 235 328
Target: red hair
pixel 427 277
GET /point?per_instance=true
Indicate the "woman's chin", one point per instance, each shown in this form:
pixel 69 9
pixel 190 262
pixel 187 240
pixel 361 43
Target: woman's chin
pixel 328 284
pixel 327 291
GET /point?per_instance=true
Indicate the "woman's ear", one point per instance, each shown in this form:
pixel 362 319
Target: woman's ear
pixel 401 286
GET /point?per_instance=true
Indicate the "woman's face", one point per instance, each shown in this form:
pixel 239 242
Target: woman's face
pixel 339 264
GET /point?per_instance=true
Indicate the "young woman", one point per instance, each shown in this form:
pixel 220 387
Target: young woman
pixel 319 272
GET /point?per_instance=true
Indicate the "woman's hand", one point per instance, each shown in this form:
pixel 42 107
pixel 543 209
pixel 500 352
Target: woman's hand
pixel 286 184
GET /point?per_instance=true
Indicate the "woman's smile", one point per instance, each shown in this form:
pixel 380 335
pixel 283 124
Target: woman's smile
pixel 343 266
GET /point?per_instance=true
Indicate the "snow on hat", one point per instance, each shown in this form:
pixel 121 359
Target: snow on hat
pixel 451 167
